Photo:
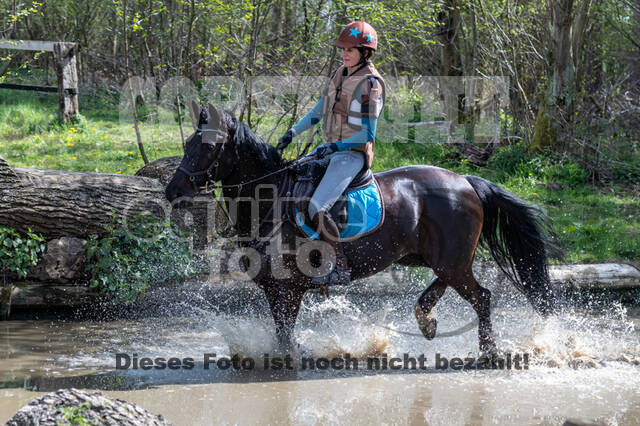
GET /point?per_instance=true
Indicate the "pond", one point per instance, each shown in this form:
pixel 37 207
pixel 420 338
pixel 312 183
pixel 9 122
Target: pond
pixel 580 364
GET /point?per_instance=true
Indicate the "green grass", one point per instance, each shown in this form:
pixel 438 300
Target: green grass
pixel 595 226
pixel 592 224
pixel 31 136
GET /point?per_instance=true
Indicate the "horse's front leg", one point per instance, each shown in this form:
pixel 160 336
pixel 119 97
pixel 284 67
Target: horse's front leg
pixel 284 302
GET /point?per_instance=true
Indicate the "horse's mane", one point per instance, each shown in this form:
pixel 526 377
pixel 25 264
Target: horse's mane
pixel 244 139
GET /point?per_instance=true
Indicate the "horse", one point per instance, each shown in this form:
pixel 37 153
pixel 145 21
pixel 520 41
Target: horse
pixel 433 217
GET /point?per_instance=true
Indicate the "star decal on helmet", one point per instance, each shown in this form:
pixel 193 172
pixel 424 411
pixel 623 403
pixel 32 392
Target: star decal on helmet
pixel 369 37
pixel 354 32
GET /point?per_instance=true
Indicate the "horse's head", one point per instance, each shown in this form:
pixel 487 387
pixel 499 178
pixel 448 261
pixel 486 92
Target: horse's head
pixel 205 159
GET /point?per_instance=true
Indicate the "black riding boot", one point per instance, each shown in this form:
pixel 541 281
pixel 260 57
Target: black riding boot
pixel 340 273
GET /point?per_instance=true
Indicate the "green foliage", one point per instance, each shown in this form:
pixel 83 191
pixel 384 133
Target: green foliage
pixel 516 161
pixel 595 239
pixel 569 174
pixel 591 224
pixel 18 252
pixel 509 159
pixel 627 171
pixel 74 415
pixel 133 256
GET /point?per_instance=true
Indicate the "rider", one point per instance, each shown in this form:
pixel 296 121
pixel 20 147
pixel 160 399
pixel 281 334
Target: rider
pixel 349 108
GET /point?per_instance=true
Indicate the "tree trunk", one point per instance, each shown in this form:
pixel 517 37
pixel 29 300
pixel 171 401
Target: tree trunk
pixel 562 83
pixel 449 31
pixel 58 203
pixel 578 34
pixel 451 87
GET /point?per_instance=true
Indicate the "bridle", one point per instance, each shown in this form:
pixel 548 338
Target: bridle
pixel 214 163
pixel 209 188
pixel 209 172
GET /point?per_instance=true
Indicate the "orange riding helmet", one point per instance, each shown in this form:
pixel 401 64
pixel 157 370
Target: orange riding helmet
pixel 358 34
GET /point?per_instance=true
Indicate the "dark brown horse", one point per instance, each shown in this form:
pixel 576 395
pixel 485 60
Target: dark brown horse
pixel 433 218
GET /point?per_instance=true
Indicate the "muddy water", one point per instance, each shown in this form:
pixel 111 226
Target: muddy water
pixel 582 364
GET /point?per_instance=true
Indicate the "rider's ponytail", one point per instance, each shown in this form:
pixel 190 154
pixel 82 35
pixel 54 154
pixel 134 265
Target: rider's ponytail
pixel 365 54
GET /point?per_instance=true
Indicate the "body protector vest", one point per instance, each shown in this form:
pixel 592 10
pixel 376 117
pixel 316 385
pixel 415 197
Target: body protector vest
pixel 343 112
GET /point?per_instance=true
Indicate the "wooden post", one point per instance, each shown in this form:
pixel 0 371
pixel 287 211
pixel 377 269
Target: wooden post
pixel 65 58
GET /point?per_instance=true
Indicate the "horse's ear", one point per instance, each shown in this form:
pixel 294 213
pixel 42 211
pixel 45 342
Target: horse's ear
pixel 230 121
pixel 214 113
pixel 217 127
pixel 194 112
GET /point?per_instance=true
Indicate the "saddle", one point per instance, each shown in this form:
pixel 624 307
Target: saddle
pixel 305 180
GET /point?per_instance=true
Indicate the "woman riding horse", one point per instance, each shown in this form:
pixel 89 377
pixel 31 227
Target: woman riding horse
pixel 433 217
pixel 349 107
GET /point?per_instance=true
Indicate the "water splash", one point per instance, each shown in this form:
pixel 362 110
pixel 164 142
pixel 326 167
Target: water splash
pixel 336 326
pixel 248 337
pixel 575 339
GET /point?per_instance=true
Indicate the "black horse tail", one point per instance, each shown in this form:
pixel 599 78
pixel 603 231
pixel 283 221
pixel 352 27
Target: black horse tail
pixel 516 234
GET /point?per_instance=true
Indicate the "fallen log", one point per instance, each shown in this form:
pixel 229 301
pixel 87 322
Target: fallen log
pixel 161 169
pixel 58 203
pixel 476 155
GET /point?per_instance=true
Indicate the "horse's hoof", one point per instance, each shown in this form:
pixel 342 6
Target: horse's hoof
pixel 490 351
pixel 289 348
pixel 426 323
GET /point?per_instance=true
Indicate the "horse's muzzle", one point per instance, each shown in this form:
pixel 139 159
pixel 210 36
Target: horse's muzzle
pixel 179 192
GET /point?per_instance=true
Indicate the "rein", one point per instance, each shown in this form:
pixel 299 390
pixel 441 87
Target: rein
pixel 209 188
pixel 214 165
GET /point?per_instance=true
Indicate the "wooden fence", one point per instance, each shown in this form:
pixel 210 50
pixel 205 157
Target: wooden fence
pixel 65 62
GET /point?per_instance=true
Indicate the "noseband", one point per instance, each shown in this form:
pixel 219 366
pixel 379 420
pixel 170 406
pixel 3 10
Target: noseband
pixel 214 163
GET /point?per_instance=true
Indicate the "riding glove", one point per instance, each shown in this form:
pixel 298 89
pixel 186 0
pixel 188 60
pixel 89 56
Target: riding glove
pixel 325 149
pixel 285 140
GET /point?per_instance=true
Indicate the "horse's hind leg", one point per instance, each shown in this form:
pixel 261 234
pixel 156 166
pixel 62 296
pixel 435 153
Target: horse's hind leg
pixel 427 300
pixel 480 299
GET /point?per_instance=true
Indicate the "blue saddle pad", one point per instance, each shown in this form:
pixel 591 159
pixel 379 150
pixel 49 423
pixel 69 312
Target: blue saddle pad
pixel 364 213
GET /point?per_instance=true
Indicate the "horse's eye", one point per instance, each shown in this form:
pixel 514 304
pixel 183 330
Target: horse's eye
pixel 210 147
